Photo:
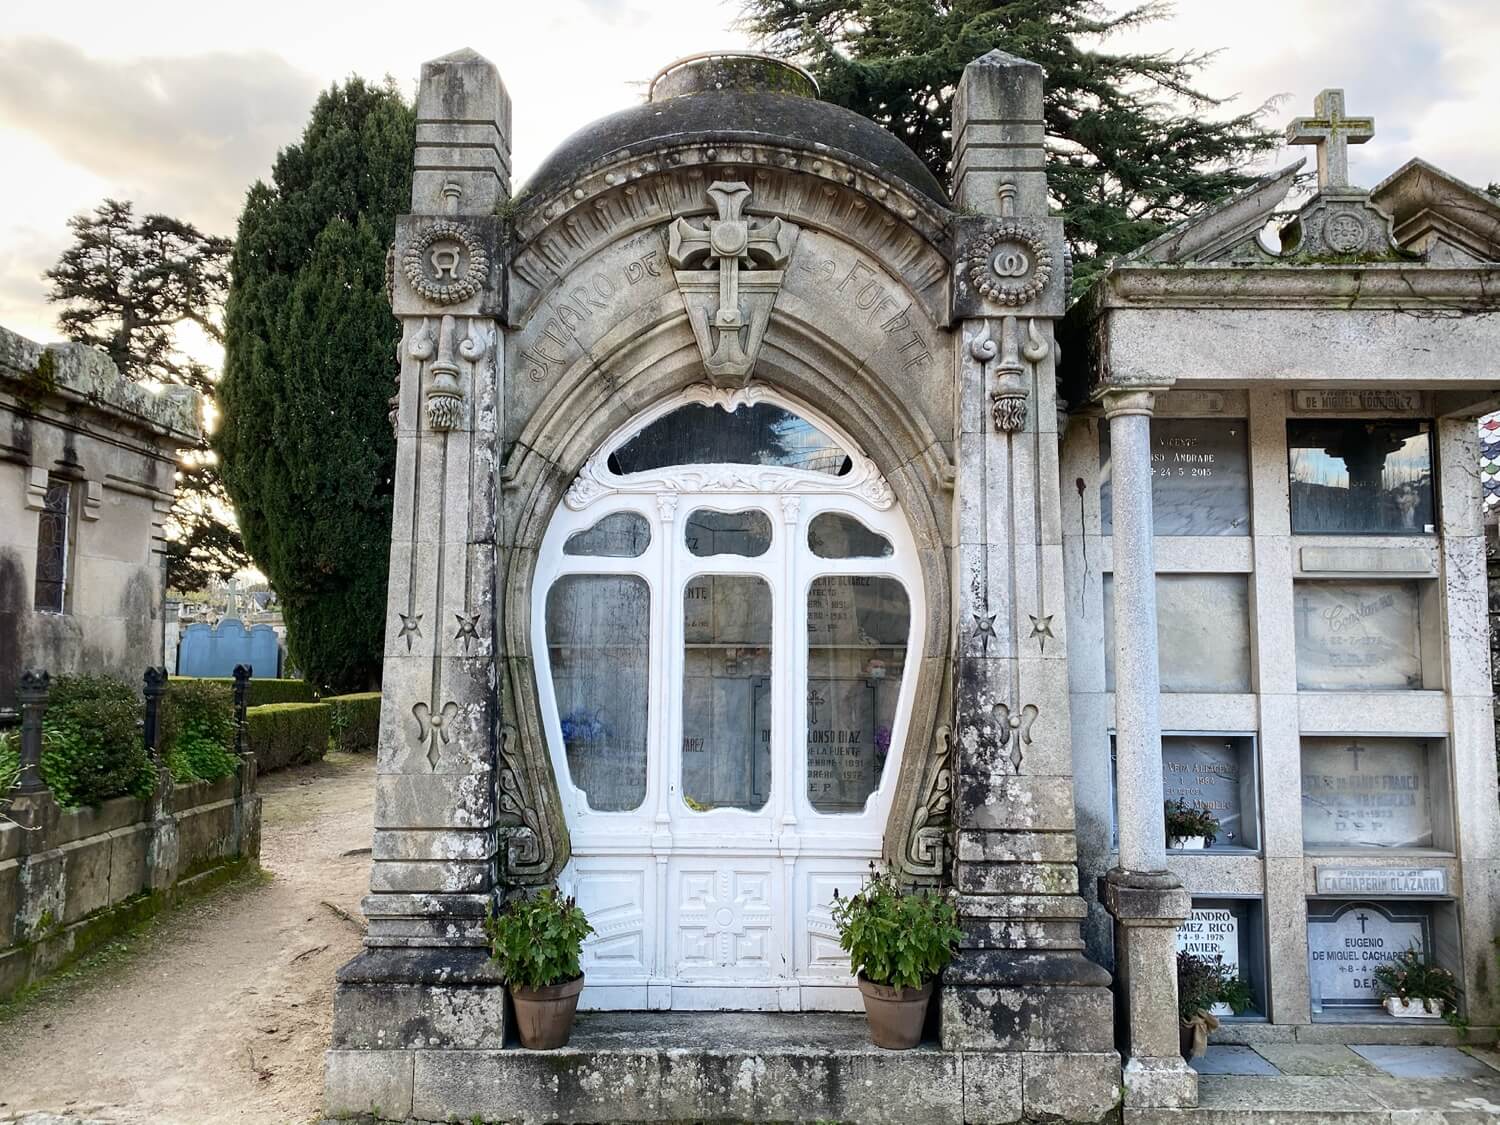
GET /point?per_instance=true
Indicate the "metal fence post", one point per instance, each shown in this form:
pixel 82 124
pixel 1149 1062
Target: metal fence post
pixel 242 674
pixel 155 686
pixel 31 692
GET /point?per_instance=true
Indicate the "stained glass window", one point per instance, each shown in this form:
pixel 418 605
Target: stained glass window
pixel 760 434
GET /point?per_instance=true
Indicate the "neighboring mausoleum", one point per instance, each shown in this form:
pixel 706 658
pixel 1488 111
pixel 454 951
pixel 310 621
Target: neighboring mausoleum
pixel 87 464
pixel 752 526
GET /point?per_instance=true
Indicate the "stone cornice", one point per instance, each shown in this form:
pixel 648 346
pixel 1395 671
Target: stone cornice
pixel 82 374
pixel 1394 285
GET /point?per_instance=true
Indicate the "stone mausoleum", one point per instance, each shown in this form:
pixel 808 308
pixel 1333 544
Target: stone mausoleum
pixel 764 510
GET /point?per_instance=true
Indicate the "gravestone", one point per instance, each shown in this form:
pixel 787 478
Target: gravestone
pixel 1211 931
pixel 1358 636
pixel 1200 477
pixel 842 768
pixel 215 650
pixel 1214 771
pixel 1202 631
pixel 1346 946
pixel 1372 792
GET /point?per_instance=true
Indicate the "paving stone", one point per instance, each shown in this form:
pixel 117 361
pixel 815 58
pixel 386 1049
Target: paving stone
pixel 1328 1060
pixel 1232 1060
pixel 1329 1096
pixel 1423 1062
pixel 1454 1101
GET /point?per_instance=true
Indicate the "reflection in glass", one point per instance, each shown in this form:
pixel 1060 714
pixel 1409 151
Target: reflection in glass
pixel 597 641
pixel 1353 477
pixel 727 533
pixel 833 535
pixel 761 434
pixel 857 630
pixel 619 535
pixel 1200 477
pixel 726 693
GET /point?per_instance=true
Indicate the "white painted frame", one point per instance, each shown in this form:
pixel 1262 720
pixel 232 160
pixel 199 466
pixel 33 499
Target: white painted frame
pixel 774 870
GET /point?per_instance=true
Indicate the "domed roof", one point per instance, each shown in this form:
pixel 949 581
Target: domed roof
pixel 735 97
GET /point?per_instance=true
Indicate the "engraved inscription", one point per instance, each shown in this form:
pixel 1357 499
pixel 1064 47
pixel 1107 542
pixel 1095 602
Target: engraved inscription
pixel 861 286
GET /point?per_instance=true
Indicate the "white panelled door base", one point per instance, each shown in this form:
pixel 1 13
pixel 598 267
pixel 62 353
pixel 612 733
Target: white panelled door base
pixel 722 780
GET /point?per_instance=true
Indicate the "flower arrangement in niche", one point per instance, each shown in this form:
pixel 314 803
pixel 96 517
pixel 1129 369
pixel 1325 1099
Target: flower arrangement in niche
pixel 1190 826
pixel 1411 985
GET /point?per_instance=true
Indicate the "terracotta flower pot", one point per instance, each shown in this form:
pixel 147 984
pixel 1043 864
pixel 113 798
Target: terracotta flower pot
pixel 544 1016
pixel 895 1015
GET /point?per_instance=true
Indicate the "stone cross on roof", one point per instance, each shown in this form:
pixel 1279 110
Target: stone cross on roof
pixel 1332 133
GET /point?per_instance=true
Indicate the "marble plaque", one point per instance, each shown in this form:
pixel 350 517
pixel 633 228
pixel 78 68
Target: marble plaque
pixel 1210 770
pixel 1346 947
pixel 1358 636
pixel 1202 632
pixel 1200 477
pixel 1383 400
pixel 1211 932
pixel 1346 881
pixel 1366 793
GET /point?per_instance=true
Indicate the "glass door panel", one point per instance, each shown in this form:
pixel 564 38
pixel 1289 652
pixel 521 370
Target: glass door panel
pixel 857 629
pixel 726 692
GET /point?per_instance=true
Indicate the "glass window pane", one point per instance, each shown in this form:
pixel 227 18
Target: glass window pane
pixel 727 533
pixel 761 434
pixel 50 594
pixel 598 629
pixel 1350 477
pixel 1200 477
pixel 857 629
pixel 833 535
pixel 619 535
pixel 726 693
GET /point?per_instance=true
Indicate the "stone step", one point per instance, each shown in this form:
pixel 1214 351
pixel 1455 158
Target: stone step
pixel 721 1066
pixel 1323 1100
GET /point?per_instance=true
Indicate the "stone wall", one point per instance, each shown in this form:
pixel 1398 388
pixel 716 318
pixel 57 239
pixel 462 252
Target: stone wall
pixel 72 878
pixel 69 420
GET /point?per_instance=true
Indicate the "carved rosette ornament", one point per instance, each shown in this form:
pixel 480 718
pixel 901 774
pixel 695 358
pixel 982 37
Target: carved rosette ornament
pixel 446 263
pixel 1010 264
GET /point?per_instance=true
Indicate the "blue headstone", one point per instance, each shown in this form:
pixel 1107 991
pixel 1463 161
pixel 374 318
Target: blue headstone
pixel 214 651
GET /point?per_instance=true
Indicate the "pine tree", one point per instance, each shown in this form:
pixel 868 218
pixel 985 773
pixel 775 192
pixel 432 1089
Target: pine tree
pixel 126 286
pixel 1133 146
pixel 310 345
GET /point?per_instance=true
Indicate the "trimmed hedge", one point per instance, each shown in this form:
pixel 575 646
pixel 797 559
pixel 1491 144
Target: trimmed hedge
pixel 287 734
pixel 197 730
pixel 354 721
pixel 91 743
pixel 262 691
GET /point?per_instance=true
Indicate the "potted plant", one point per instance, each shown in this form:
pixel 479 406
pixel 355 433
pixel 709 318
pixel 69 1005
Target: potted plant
pixel 1190 827
pixel 897 944
pixel 1235 998
pixel 537 942
pixel 1200 981
pixel 1413 987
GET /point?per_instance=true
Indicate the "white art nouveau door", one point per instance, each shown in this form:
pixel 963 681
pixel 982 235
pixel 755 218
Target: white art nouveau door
pixel 725 620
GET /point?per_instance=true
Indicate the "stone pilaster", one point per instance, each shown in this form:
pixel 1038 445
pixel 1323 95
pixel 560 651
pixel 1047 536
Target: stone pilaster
pixel 1147 902
pixel 424 979
pixel 1020 983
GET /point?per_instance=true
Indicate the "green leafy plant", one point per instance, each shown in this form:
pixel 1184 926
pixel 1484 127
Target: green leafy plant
pixel 1234 990
pixel 1184 820
pixel 91 742
pixel 197 730
pixel 537 940
pixel 893 937
pixel 1411 976
pixel 287 734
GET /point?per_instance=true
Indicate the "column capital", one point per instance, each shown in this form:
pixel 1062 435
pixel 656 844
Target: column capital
pixel 1135 399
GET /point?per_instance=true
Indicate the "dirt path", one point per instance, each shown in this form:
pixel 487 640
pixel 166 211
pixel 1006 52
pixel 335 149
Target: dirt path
pixel 222 1012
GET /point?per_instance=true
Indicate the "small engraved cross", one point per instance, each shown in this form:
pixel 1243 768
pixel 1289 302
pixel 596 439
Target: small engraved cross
pixel 1361 919
pixel 1356 749
pixel 1332 133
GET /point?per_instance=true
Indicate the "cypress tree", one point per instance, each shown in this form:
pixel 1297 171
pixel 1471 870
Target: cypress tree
pixel 1133 146
pixel 310 353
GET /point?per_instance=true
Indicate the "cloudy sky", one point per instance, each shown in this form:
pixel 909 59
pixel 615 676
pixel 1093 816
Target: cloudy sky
pixel 179 105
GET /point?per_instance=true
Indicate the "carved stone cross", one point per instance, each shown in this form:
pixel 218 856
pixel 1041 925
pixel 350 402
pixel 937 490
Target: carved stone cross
pixel 1332 133
pixel 731 243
